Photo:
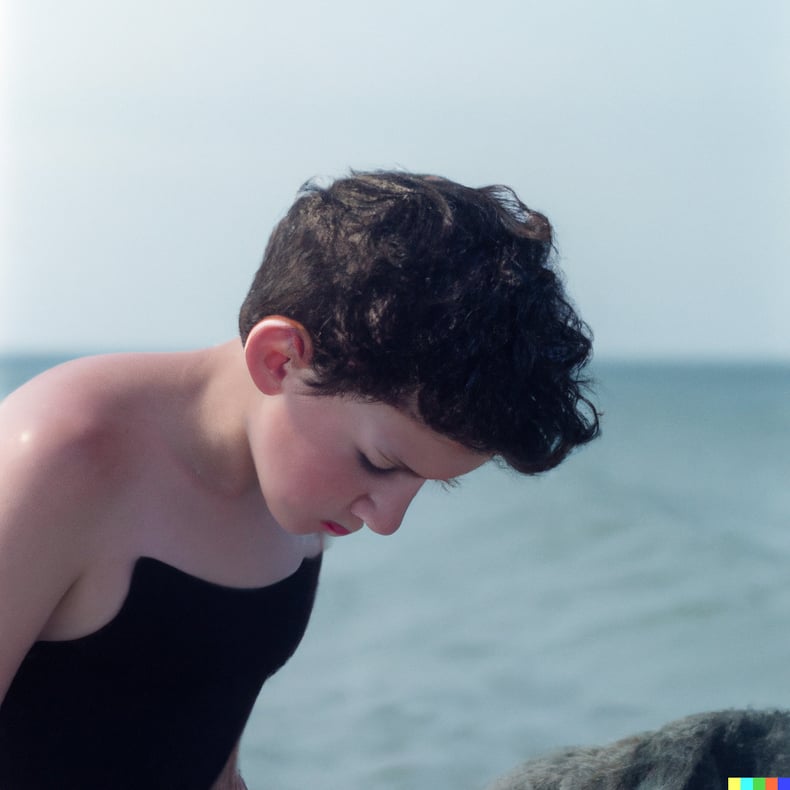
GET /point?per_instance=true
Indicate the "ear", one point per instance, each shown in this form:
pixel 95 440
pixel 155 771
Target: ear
pixel 275 348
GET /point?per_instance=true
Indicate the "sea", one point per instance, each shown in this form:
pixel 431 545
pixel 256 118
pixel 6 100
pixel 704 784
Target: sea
pixel 645 579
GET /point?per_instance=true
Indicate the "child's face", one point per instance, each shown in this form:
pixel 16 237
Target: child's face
pixel 332 464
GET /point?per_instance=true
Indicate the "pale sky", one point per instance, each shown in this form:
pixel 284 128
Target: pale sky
pixel 149 147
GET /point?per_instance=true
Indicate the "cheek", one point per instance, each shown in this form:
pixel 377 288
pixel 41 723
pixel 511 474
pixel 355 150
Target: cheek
pixel 300 475
pixel 325 477
pixel 297 464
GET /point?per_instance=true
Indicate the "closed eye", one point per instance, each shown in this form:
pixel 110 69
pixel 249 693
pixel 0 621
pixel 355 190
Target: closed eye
pixel 369 466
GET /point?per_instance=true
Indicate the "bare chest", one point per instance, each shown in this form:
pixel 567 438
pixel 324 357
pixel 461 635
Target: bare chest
pixel 163 513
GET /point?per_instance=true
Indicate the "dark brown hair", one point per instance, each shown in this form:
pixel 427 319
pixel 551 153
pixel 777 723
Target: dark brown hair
pixel 414 286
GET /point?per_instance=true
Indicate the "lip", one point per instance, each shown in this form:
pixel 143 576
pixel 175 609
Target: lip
pixel 335 529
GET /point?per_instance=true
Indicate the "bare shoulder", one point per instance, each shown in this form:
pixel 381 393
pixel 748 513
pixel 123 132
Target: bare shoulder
pixel 66 438
pixel 58 430
pixel 58 457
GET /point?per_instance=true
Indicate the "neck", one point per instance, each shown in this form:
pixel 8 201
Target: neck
pixel 218 395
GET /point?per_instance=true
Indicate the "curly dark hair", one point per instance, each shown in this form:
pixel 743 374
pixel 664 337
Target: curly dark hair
pixel 416 289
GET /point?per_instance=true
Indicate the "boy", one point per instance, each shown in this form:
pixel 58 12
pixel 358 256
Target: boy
pixel 162 515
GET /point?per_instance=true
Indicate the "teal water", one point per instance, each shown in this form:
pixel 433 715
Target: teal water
pixel 645 579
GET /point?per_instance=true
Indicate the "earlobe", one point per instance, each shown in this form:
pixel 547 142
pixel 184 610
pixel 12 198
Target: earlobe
pixel 275 348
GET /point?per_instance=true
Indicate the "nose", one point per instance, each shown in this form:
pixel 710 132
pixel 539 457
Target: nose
pixel 384 508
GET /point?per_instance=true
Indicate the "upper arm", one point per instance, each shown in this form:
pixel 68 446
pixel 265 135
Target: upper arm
pixel 47 490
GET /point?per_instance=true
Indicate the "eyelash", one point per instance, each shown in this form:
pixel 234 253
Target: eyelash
pixel 369 466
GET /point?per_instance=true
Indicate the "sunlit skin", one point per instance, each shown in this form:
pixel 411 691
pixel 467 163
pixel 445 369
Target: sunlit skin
pixel 347 462
pixel 221 462
pixel 336 463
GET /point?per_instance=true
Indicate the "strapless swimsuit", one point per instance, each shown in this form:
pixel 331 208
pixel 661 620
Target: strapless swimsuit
pixel 159 696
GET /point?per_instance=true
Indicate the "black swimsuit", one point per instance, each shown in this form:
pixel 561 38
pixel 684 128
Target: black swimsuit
pixel 159 696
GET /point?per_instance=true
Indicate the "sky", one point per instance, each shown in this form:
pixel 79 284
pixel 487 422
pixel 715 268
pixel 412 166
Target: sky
pixel 148 148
